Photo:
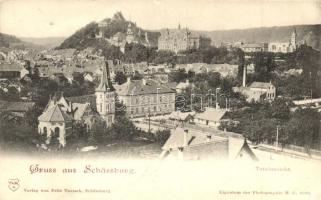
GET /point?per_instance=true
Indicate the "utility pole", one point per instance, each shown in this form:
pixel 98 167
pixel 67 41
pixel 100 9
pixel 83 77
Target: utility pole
pixel 226 103
pixel 149 120
pixel 216 102
pixel 210 98
pixel 157 99
pixel 277 138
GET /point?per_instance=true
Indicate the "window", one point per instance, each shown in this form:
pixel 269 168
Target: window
pixel 137 111
pixel 45 130
pixel 56 132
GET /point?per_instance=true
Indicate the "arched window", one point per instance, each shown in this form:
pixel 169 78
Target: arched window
pixel 57 130
pixel 45 130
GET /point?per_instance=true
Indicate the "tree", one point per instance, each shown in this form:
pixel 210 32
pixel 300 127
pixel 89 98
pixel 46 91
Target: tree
pixel 178 76
pixel 280 109
pixel 135 53
pixel 137 76
pixel 31 116
pixel 123 128
pixel 17 135
pixel 161 57
pixel 162 136
pixel 120 108
pixel 97 132
pixel 264 65
pixel 120 78
pixel 35 76
pixel 304 126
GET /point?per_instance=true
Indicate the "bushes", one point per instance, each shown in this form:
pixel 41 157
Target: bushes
pixel 162 136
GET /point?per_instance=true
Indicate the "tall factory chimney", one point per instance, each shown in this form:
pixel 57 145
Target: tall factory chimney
pixel 244 77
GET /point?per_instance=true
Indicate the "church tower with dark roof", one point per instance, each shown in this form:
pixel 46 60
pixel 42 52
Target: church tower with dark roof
pixel 105 97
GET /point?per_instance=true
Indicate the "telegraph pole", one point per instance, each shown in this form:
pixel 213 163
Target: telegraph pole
pixel 277 138
pixel 149 121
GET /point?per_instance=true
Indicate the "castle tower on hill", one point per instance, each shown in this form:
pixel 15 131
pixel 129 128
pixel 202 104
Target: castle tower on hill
pixel 101 26
pixel 130 34
pixel 105 97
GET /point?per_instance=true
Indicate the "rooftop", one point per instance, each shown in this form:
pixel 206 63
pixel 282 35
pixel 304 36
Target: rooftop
pixel 211 114
pixel 262 85
pixel 137 87
pixel 10 67
pixel 176 139
pixel 54 114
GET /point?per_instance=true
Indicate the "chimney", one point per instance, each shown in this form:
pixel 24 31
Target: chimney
pixel 185 138
pixel 187 81
pixel 244 76
pixel 128 79
pixel 208 138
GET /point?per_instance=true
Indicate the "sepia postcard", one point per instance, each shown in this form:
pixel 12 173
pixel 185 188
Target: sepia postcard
pixel 160 99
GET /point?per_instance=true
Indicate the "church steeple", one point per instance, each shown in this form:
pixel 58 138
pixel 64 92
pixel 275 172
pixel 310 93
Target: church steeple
pixel 105 97
pixel 105 83
pixel 293 40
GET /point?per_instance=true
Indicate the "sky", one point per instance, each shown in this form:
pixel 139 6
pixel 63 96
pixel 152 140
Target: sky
pixel 61 18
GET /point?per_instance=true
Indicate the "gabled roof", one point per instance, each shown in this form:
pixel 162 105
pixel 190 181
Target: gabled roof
pixel 54 114
pixel 211 114
pixel 177 115
pixel 262 85
pixel 80 109
pixel 238 145
pixel 183 85
pixel 137 87
pixel 19 106
pixel 10 67
pixel 90 98
pixel 253 45
pixel 176 139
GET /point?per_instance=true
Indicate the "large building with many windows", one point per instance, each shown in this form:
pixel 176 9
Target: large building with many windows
pixel 146 98
pixel 177 40
pixel 284 47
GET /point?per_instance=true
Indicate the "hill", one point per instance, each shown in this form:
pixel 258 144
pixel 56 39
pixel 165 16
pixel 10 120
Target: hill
pixel 7 40
pixel 310 33
pixel 12 42
pixel 85 37
pixel 47 42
